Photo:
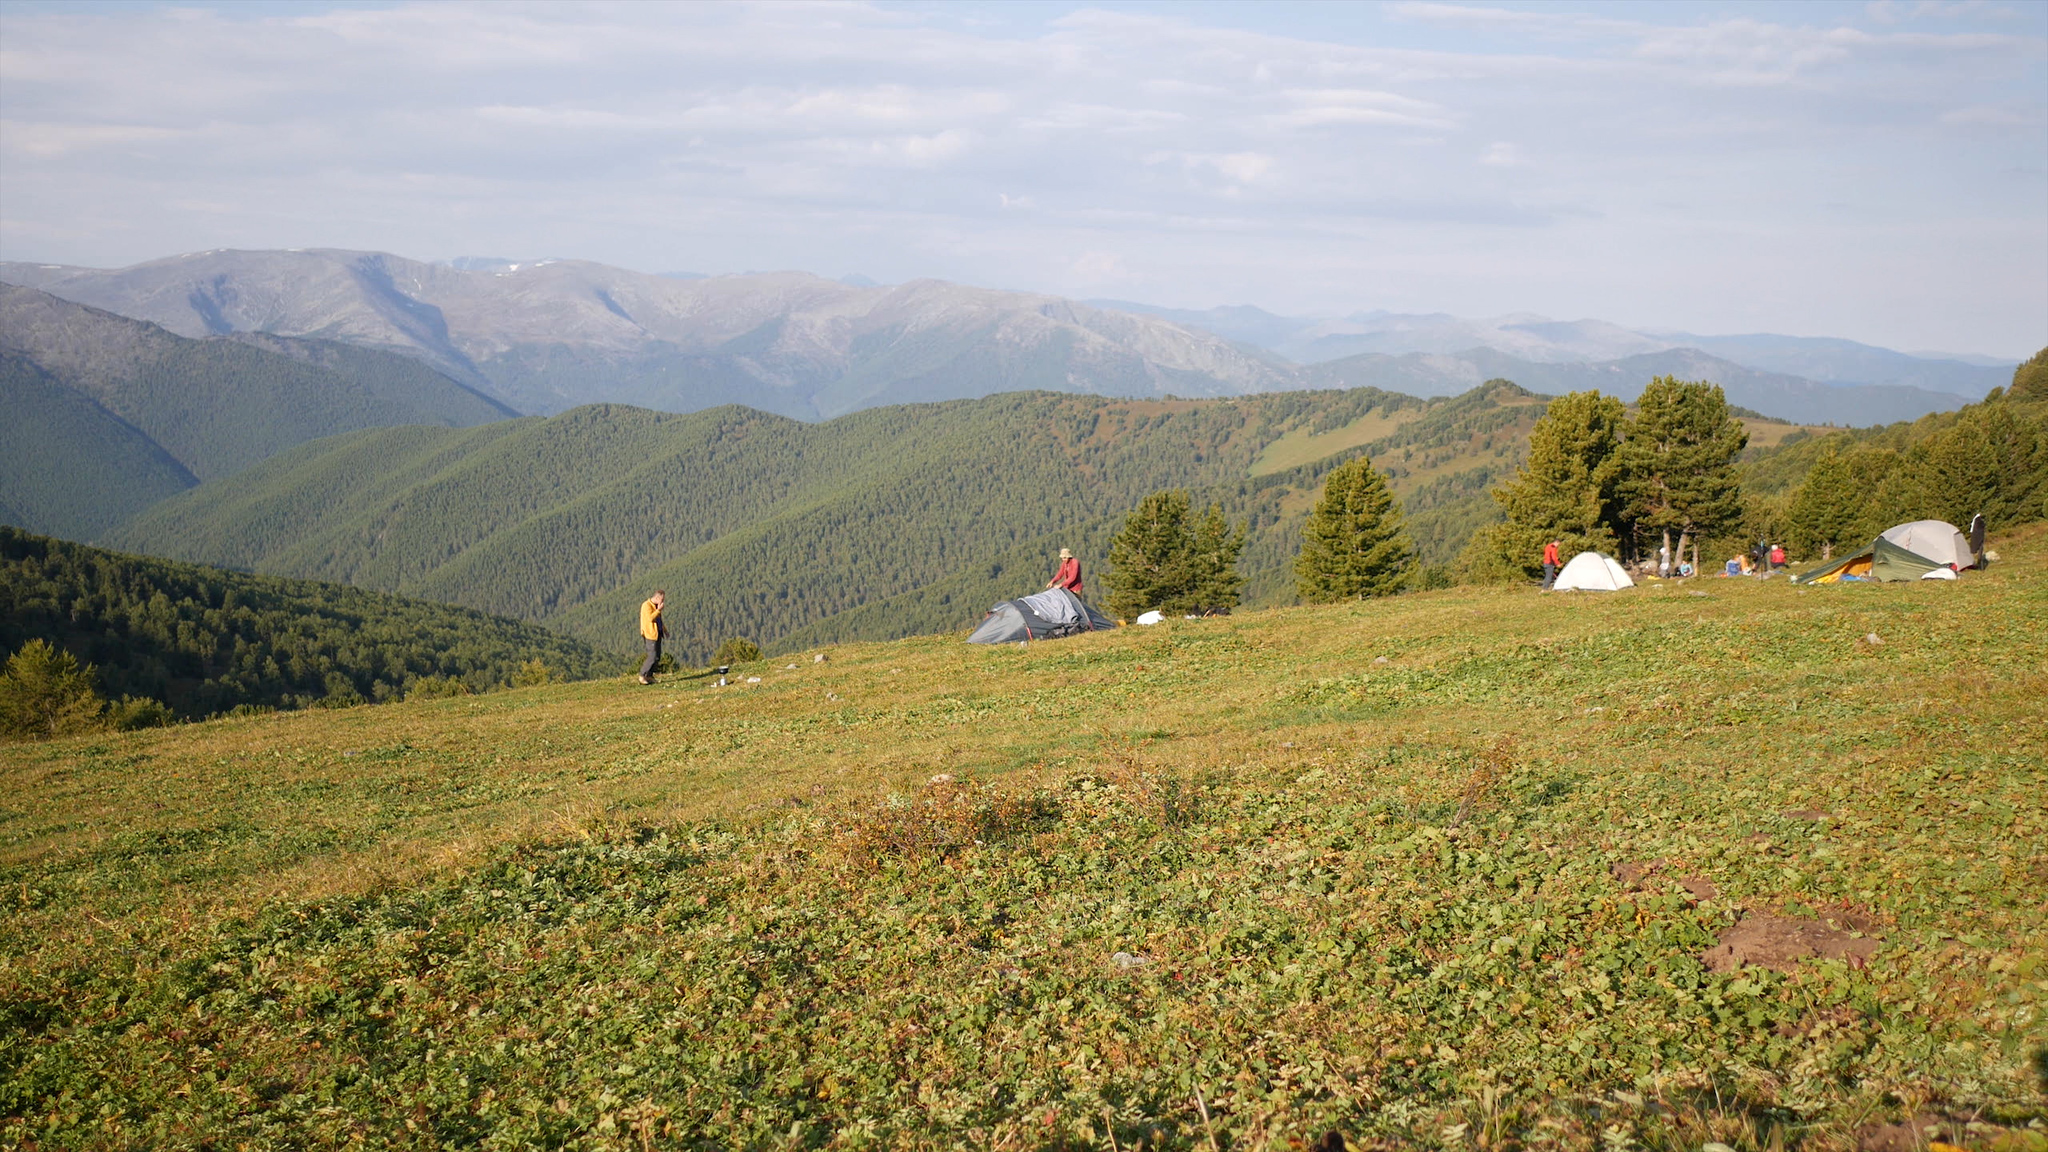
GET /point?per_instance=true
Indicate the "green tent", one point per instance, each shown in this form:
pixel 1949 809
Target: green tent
pixel 1883 560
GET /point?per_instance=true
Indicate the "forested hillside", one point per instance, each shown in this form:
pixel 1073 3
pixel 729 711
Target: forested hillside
pixel 107 415
pixel 204 641
pixel 883 523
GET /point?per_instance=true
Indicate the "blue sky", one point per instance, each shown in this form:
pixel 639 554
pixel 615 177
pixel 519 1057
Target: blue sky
pixel 1877 171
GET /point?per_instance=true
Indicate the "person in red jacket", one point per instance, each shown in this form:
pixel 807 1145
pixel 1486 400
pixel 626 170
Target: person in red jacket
pixel 1550 564
pixel 1069 575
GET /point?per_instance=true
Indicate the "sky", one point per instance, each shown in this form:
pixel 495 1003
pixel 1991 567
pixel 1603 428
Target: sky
pixel 1876 171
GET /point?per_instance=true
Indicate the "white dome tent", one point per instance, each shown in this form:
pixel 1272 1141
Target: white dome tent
pixel 1592 572
pixel 1938 540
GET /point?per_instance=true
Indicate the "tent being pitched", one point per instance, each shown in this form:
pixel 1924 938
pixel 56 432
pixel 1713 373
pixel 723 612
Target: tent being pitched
pixel 1883 560
pixel 1039 616
pixel 1937 540
pixel 1592 572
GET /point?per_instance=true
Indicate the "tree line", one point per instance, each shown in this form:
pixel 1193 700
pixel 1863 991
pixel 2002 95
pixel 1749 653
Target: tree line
pixel 1664 478
pixel 156 640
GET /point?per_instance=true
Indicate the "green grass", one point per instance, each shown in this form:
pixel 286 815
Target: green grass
pixel 1379 898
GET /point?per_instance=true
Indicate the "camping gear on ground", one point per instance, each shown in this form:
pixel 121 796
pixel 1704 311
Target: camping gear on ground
pixel 1939 574
pixel 1881 561
pixel 1904 552
pixel 1592 572
pixel 1152 617
pixel 1938 540
pixel 1039 616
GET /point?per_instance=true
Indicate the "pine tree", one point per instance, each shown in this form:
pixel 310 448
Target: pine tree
pixel 1565 491
pixel 1355 543
pixel 1675 468
pixel 1216 583
pixel 2030 379
pixel 1828 509
pixel 1151 561
pixel 1993 460
pixel 46 693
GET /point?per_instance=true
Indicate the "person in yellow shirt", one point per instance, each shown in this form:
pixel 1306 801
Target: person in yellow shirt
pixel 652 631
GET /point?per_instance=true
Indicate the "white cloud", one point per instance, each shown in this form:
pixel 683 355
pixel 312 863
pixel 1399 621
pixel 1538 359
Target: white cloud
pixel 1196 162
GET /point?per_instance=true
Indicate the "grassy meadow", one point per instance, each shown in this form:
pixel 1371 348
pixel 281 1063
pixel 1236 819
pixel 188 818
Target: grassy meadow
pixel 1435 871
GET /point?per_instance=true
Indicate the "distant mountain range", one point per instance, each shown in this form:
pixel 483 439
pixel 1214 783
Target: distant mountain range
pixel 549 336
pixel 1529 338
pixel 545 336
pixel 107 415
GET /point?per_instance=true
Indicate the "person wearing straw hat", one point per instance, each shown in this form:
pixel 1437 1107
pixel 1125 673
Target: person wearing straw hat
pixel 1069 575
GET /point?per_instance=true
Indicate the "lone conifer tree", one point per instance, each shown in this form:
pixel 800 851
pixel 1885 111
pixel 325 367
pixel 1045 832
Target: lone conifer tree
pixel 1166 559
pixel 1355 543
pixel 1149 560
pixel 45 692
pixel 1213 558
pixel 1676 462
pixel 1565 491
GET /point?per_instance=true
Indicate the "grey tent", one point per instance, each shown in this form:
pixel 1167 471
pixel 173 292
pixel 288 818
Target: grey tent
pixel 1039 616
pixel 1883 560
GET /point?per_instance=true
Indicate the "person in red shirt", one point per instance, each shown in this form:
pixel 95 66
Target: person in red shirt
pixel 1777 555
pixel 1550 564
pixel 1069 575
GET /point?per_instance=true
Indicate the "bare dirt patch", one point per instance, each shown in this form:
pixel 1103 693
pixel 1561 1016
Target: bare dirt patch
pixel 1643 874
pixel 1780 942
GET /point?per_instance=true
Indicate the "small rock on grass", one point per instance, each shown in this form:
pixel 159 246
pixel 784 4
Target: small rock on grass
pixel 753 679
pixel 1872 639
pixel 943 778
pixel 820 658
pixel 1129 960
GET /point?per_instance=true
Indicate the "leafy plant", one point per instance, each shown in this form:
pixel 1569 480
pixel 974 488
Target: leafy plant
pixel 435 688
pixel 737 651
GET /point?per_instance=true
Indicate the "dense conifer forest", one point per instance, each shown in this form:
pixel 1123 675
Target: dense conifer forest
pixel 205 641
pixel 886 522
pixel 108 415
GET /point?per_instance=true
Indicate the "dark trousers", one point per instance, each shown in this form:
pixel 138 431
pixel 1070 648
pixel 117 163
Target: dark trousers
pixel 653 658
pixel 1549 576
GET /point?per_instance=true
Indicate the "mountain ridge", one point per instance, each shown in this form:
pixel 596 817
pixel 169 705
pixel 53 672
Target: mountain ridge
pixel 548 335
pixel 109 414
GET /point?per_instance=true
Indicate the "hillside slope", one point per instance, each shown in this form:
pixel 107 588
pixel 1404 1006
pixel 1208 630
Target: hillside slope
pixel 202 640
pixel 1457 865
pixel 883 523
pixel 118 413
